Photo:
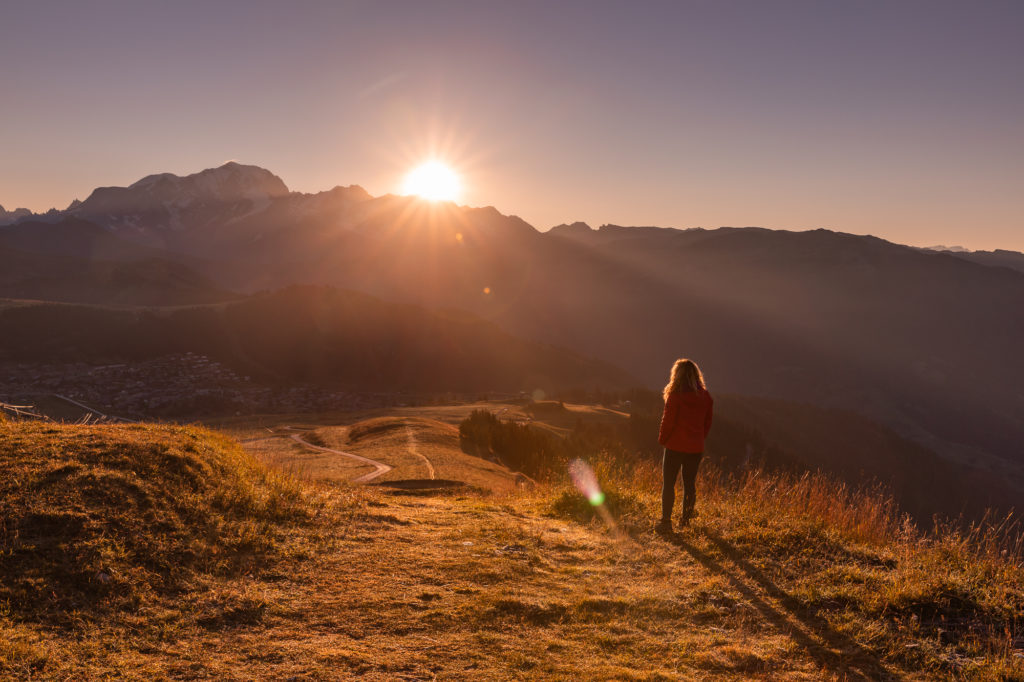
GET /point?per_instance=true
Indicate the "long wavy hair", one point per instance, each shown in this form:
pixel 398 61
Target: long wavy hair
pixel 685 375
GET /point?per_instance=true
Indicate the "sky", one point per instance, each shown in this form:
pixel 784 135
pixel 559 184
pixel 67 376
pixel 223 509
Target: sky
pixel 900 119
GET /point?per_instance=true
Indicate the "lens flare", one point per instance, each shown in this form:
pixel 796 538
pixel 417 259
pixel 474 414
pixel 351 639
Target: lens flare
pixel 585 480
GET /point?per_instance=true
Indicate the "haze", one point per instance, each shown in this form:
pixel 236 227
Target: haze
pixel 903 120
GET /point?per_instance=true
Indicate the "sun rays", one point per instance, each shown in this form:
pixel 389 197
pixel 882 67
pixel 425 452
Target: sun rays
pixel 432 180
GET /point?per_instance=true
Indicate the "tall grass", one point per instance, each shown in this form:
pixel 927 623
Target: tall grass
pixel 926 599
pixel 248 487
pixel 867 514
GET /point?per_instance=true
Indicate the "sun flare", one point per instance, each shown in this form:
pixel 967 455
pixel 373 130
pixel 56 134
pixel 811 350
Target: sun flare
pixel 432 180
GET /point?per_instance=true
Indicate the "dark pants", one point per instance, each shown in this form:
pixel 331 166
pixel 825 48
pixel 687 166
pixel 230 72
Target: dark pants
pixel 670 465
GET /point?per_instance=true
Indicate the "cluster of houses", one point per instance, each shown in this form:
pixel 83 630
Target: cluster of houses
pixel 184 385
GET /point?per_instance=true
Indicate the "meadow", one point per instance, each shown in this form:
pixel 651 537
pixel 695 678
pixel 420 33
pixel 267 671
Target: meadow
pixel 154 551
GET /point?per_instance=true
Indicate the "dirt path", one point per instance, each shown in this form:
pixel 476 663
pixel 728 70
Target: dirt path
pixel 397 594
pixel 379 467
pixel 414 449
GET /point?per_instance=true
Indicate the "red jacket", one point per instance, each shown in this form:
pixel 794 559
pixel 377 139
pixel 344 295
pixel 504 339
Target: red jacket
pixel 686 421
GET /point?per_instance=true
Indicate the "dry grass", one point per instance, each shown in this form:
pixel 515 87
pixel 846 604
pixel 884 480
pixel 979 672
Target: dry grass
pixel 773 582
pixel 561 417
pixel 410 443
pixel 416 446
pixel 99 522
pixel 846 573
pixel 281 451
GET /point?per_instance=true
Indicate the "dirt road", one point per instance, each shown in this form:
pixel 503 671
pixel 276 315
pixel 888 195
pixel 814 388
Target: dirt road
pixel 379 467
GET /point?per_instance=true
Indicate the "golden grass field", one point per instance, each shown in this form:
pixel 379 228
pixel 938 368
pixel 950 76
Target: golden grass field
pixel 419 443
pixel 413 440
pixel 160 552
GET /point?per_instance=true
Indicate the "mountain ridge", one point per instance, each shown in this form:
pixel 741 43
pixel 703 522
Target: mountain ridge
pixel 233 181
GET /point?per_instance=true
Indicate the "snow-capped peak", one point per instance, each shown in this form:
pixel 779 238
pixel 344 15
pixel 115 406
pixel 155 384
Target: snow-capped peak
pixel 229 182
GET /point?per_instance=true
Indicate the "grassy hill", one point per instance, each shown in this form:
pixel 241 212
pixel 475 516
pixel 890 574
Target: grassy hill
pixel 416 447
pixel 151 551
pixel 77 261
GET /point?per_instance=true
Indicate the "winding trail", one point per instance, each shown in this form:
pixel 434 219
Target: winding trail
pixel 414 449
pixel 380 467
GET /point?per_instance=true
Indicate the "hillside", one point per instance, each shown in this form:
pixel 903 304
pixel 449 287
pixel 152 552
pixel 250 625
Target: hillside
pixel 143 552
pixel 402 448
pixel 309 334
pixel 70 279
pixel 798 437
pixel 77 261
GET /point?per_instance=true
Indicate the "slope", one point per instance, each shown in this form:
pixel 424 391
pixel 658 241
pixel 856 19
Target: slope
pixel 310 334
pixel 797 437
pixel 779 579
pixel 411 448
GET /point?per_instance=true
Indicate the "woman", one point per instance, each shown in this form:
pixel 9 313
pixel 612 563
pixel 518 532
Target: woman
pixel 684 426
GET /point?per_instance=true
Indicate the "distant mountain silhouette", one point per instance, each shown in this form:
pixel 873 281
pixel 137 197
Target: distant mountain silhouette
pixel 193 213
pixel 7 217
pixel 926 343
pixel 951 249
pixel 1001 258
pixel 997 258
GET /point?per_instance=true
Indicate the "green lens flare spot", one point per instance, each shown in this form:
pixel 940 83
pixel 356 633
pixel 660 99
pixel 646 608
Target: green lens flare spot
pixel 597 499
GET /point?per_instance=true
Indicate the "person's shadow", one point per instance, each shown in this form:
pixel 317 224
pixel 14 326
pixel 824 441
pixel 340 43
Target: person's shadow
pixel 832 650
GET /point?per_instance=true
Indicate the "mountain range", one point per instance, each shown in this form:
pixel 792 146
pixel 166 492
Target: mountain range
pixel 924 342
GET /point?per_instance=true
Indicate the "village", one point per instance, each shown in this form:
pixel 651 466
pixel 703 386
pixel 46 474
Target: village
pixel 179 386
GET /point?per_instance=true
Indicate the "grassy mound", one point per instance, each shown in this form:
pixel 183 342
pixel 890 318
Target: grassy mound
pixel 420 447
pixel 375 428
pixel 546 408
pixel 94 519
pixel 426 431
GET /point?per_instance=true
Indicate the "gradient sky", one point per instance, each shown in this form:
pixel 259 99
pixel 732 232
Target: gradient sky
pixel 902 119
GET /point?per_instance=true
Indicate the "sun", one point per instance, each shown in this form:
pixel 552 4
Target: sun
pixel 432 180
